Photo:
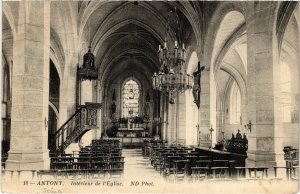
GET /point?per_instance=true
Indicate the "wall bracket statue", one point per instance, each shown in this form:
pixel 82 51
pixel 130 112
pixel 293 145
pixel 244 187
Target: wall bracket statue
pixel 197 85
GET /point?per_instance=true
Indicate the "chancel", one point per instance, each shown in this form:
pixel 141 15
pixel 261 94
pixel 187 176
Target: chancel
pixel 160 90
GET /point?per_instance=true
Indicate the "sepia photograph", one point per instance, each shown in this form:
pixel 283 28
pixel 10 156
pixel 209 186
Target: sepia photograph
pixel 107 96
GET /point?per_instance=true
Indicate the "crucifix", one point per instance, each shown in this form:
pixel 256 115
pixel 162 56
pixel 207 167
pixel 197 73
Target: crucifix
pixel 198 134
pixel 197 84
pixel 211 134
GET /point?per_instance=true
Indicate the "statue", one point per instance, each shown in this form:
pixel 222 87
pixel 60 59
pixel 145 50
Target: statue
pixel 89 60
pixel 239 135
pixel 197 84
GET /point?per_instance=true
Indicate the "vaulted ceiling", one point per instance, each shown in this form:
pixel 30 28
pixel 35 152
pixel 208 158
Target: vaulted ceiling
pixel 126 35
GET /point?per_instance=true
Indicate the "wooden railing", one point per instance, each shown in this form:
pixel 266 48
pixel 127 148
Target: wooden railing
pixel 84 119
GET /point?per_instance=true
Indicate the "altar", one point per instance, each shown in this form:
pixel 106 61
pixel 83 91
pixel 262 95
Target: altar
pixel 131 142
pixel 134 132
pixel 132 127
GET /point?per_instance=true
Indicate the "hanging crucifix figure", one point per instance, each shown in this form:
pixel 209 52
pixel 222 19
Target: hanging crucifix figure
pixel 197 85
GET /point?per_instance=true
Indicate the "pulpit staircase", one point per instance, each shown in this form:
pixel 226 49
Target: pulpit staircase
pixel 83 120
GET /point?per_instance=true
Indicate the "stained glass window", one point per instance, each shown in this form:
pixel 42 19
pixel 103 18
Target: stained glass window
pixel 131 95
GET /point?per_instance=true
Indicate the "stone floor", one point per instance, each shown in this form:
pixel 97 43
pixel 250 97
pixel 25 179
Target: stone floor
pixel 138 167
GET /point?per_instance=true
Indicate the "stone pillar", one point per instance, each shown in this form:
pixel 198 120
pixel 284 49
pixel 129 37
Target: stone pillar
pixel 171 132
pixel 30 88
pixel 219 119
pixel 86 95
pixel 86 92
pixel 162 115
pixel 265 139
pixel 105 107
pixel 100 112
pixel 204 111
pixel 294 95
pixel 181 117
pixel 68 88
pixel 165 117
pixel 169 123
pixel 191 119
pixel 244 116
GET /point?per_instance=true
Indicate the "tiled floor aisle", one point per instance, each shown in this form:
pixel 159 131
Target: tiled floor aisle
pixel 138 167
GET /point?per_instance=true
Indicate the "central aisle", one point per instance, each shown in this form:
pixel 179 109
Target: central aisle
pixel 137 167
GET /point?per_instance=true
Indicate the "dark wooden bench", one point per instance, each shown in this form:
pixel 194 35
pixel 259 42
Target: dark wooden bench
pixel 181 167
pixel 263 170
pixel 198 172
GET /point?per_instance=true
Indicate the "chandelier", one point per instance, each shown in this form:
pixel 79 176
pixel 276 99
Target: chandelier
pixel 171 77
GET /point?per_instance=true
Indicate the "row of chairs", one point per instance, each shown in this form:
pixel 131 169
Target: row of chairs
pixel 181 160
pixel 188 162
pixel 149 144
pixel 102 156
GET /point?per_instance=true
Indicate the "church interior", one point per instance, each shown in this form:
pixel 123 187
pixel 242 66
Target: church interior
pixel 178 90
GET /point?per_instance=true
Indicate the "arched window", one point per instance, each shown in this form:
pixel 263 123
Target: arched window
pixel 235 104
pixel 131 96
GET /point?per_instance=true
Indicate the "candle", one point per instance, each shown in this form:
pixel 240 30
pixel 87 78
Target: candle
pixel 176 44
pixel 183 46
pixel 159 48
pixel 165 45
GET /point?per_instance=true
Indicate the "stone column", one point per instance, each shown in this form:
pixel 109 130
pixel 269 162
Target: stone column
pixel 86 92
pixel 86 96
pixel 294 95
pixel 68 89
pixel 171 123
pixel 219 119
pixel 30 88
pixel 181 117
pixel 100 112
pixel 165 123
pixel 204 111
pixel 162 116
pixel 263 79
pixel 191 121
